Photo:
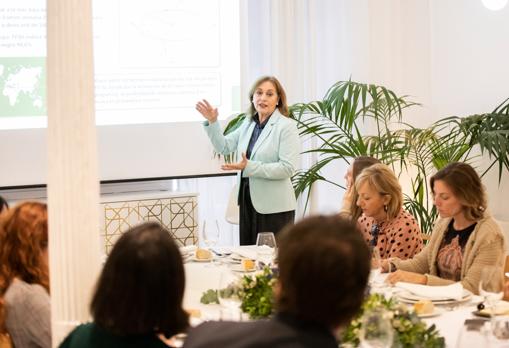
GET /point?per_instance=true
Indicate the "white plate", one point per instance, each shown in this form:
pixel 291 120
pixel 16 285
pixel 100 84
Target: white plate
pixel 236 257
pixel 436 312
pixel 239 268
pixel 408 297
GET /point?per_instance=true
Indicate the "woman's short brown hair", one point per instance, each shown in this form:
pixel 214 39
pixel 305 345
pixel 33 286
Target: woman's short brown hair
pixel 141 287
pixel 282 105
pixel 324 265
pixel 466 184
pixel 382 179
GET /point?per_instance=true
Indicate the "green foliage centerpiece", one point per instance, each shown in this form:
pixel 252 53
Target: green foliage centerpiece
pixel 256 293
pixel 410 330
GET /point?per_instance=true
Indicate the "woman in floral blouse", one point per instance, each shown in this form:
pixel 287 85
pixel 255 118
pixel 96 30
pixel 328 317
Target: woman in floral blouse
pixel 384 223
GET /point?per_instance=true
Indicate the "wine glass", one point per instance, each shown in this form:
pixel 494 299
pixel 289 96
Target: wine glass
pixel 376 268
pixel 210 233
pixel 491 287
pixel 474 333
pixel 376 329
pixel 228 295
pixel 266 246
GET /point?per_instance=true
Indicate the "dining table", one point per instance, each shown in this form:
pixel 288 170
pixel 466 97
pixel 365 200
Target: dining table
pixel 450 322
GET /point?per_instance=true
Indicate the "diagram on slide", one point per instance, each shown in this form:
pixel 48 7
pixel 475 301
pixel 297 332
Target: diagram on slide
pixel 169 34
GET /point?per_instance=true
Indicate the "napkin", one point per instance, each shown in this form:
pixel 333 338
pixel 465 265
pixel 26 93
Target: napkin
pixel 188 249
pixel 501 308
pixel 245 252
pixel 445 292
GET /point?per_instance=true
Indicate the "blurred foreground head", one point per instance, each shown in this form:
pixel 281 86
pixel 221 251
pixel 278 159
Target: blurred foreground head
pixel 324 266
pixel 141 287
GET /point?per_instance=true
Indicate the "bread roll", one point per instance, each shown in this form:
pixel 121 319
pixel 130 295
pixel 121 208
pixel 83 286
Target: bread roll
pixel 203 254
pixel 424 307
pixel 247 264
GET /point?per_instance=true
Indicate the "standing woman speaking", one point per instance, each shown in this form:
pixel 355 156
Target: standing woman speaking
pixel 268 144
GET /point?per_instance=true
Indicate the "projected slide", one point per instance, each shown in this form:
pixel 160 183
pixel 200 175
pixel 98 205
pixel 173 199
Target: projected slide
pixel 153 60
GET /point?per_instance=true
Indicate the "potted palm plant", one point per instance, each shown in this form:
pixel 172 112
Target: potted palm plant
pixel 341 123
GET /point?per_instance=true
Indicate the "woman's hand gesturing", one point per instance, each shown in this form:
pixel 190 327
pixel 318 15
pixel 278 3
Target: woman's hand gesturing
pixel 236 166
pixel 207 111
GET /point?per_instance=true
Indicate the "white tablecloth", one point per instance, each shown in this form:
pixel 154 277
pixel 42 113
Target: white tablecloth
pixel 203 276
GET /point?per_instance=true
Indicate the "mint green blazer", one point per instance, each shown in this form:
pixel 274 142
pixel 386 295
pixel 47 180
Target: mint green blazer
pixel 273 161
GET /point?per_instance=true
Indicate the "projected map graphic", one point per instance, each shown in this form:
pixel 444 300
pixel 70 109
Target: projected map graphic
pixel 22 87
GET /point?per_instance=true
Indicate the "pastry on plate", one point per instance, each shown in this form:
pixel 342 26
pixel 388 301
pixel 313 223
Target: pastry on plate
pixel 424 307
pixel 203 254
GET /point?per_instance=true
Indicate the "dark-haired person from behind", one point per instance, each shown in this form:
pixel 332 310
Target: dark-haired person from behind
pixel 323 269
pixel 138 298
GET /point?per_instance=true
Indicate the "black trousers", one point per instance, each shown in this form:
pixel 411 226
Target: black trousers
pixel 251 222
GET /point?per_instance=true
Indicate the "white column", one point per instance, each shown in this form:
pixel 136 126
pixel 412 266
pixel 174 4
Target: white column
pixel 73 186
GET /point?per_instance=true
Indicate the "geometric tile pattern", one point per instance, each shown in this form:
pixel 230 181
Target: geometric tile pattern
pixel 177 214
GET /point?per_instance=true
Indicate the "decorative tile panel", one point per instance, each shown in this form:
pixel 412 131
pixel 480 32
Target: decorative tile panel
pixel 177 213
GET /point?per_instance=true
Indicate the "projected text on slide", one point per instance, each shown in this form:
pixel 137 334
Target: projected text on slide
pixel 152 60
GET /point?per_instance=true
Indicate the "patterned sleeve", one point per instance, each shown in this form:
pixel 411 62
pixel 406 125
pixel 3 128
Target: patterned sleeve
pixel 405 237
pixel 364 224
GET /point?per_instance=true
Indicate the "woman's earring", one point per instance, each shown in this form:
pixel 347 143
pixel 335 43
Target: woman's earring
pixel 385 208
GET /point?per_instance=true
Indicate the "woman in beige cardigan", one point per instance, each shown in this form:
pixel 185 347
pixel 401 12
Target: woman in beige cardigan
pixel 464 240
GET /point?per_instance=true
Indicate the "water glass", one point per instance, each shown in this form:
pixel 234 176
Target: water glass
pixel 491 286
pixel 228 295
pixel 474 333
pixel 500 328
pixel 376 329
pixel 376 268
pixel 266 248
pixel 210 232
pixel 266 238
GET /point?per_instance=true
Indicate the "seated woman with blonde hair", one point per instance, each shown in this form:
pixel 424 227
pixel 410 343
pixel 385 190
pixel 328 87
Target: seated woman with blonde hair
pixel 350 210
pixel 24 275
pixel 386 226
pixel 464 240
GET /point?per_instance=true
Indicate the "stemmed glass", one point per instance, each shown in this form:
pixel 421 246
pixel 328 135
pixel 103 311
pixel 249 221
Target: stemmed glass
pixel 266 247
pixel 376 267
pixel 491 287
pixel 210 233
pixel 228 294
pixel 376 329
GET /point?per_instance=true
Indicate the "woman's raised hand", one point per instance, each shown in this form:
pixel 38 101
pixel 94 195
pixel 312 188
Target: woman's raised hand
pixel 209 112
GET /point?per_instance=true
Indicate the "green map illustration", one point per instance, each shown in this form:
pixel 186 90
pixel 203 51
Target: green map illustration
pixel 22 86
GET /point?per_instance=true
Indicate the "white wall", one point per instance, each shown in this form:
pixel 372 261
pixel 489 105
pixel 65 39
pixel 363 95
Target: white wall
pixel 450 55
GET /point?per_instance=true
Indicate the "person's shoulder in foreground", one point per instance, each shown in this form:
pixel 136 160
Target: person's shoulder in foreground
pixel 283 331
pixel 90 335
